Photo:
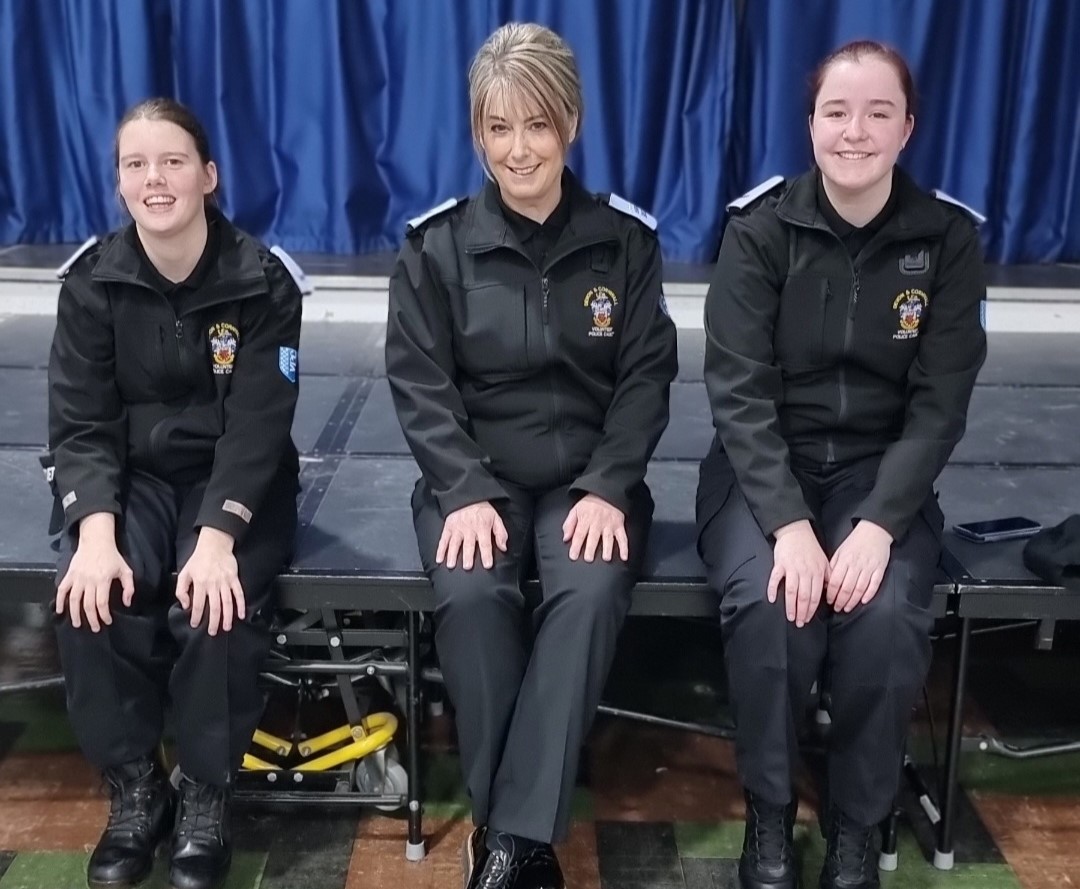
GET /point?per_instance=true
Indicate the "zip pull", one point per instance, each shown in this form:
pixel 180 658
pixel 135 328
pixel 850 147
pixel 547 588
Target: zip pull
pixel 179 329
pixel 545 290
pixel 854 295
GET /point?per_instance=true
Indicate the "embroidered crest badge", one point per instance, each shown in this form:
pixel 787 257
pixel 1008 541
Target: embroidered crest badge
pixel 601 301
pixel 910 306
pixel 224 338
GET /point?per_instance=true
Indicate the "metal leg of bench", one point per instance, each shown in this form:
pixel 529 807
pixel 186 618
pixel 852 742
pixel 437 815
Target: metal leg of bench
pixel 943 854
pixel 414 848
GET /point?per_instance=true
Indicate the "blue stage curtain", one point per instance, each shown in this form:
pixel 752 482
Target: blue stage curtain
pixel 334 121
pixel 998 124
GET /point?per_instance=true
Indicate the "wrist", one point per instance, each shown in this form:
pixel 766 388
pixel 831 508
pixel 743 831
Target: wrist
pixel 216 538
pixel 793 528
pixel 98 528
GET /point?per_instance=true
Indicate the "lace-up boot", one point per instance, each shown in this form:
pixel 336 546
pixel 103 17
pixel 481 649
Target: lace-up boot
pixel 139 813
pixel 850 854
pixel 768 853
pixel 201 849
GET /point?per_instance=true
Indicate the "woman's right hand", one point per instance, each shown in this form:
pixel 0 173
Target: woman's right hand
pixel 800 562
pixel 466 529
pixel 94 566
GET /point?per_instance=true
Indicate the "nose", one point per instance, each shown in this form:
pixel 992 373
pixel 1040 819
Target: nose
pixel 153 173
pixel 518 150
pixel 854 130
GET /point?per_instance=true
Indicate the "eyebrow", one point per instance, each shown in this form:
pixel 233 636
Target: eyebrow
pixel 139 154
pixel 498 118
pixel 888 102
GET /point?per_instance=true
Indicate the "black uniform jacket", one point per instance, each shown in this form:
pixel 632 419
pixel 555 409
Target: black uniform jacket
pixel 817 358
pixel 200 386
pixel 538 376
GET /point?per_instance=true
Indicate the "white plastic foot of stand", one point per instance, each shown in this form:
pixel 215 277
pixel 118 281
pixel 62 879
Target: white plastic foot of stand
pixel 415 851
pixel 888 861
pixel 944 860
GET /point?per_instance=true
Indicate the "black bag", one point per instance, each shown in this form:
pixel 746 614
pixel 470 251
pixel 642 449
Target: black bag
pixel 1054 554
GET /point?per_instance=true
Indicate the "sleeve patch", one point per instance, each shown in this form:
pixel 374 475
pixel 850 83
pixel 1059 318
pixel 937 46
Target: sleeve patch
pixel 295 272
pixel 758 191
pixel 287 362
pixel 949 199
pixel 237 509
pixel 624 206
pixel 417 221
pixel 69 498
pixel 74 258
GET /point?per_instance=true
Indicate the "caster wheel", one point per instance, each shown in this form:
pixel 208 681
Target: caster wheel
pixel 378 773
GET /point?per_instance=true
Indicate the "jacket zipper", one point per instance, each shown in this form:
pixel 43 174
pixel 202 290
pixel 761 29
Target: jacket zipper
pixel 545 293
pixel 849 336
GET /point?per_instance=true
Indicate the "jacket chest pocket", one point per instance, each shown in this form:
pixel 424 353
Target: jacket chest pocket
pixel 806 308
pixel 492 329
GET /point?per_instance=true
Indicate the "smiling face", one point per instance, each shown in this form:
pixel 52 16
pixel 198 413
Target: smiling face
pixel 859 125
pixel 162 179
pixel 525 156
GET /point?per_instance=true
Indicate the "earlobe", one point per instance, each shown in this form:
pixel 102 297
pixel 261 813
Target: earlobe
pixel 211 178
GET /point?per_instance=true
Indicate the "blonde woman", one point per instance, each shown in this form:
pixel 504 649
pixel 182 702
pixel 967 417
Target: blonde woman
pixel 530 355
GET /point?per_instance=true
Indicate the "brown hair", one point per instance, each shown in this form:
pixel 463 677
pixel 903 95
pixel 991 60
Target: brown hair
pixel 855 51
pixel 531 63
pixel 173 112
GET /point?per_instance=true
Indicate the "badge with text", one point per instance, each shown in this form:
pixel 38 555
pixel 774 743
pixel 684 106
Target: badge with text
pixel 224 338
pixel 910 306
pixel 601 301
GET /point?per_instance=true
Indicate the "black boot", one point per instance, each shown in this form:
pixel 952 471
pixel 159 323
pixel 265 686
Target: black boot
pixel 201 849
pixel 850 854
pixel 768 853
pixel 139 814
pixel 474 856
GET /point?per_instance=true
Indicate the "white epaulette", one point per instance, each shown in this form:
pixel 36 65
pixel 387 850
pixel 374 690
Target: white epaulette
pixel 624 206
pixel 417 221
pixel 74 258
pixel 305 287
pixel 758 191
pixel 949 199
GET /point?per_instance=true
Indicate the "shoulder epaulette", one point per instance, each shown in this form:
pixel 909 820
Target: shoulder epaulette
pixel 74 258
pixel 758 191
pixel 305 287
pixel 949 199
pixel 417 221
pixel 621 204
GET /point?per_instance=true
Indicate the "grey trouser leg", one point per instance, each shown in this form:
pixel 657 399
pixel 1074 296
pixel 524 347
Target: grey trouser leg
pixel 526 685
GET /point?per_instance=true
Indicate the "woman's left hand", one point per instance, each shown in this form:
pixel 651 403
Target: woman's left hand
pixel 857 566
pixel 210 582
pixel 594 522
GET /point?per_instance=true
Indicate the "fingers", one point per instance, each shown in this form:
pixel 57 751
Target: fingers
pixel 791 594
pixel 183 588
pixel 127 585
pixel 570 525
pixel 873 587
pixel 607 545
pixel 487 554
pixel 198 604
pixel 624 543
pixel 62 591
pixel 238 597
pixel 592 540
pixel 837 575
pixel 502 538
pixel 581 536
pixel 89 607
pixel 453 548
pixel 212 599
pixel 775 577
pixel 101 601
pixel 224 594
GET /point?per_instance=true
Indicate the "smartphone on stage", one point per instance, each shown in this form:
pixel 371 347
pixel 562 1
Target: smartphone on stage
pixel 997 529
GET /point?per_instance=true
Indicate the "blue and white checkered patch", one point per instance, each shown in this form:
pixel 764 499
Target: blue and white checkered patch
pixel 287 363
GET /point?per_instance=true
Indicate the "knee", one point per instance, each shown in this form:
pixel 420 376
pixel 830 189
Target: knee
pixel 470 594
pixel 594 593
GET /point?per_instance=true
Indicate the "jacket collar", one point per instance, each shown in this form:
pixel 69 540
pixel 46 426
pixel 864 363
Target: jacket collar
pixel 486 227
pixel 237 272
pixel 916 215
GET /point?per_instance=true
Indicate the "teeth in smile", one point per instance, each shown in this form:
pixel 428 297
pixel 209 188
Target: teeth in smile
pixel 159 200
pixel 523 171
pixel 853 155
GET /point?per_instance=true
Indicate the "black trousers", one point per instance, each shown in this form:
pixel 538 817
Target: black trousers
pixel 526 683
pixel 875 657
pixel 117 680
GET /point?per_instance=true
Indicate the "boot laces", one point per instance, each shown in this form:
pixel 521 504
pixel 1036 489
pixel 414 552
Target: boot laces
pixel 769 836
pixel 853 844
pixel 501 867
pixel 130 801
pixel 202 811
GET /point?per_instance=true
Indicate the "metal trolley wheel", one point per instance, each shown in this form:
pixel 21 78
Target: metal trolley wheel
pixel 381 773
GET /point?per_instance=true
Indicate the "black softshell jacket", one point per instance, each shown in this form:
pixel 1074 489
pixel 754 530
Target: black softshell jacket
pixel 538 376
pixel 816 357
pixel 205 388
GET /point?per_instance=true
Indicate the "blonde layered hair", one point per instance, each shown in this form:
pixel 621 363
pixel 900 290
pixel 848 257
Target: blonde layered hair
pixel 530 66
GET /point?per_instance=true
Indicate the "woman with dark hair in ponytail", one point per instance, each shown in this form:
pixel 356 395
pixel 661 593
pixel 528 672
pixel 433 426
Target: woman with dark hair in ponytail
pixel 172 387
pixel 843 338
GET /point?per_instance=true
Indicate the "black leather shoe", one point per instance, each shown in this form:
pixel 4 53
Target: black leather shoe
pixel 539 869
pixel 140 811
pixel 768 852
pixel 201 848
pixel 850 854
pixel 473 857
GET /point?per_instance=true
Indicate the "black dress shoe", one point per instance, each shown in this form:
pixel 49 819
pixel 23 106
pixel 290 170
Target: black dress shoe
pixel 539 869
pixel 473 857
pixel 140 811
pixel 201 848
pixel 850 854
pixel 768 852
